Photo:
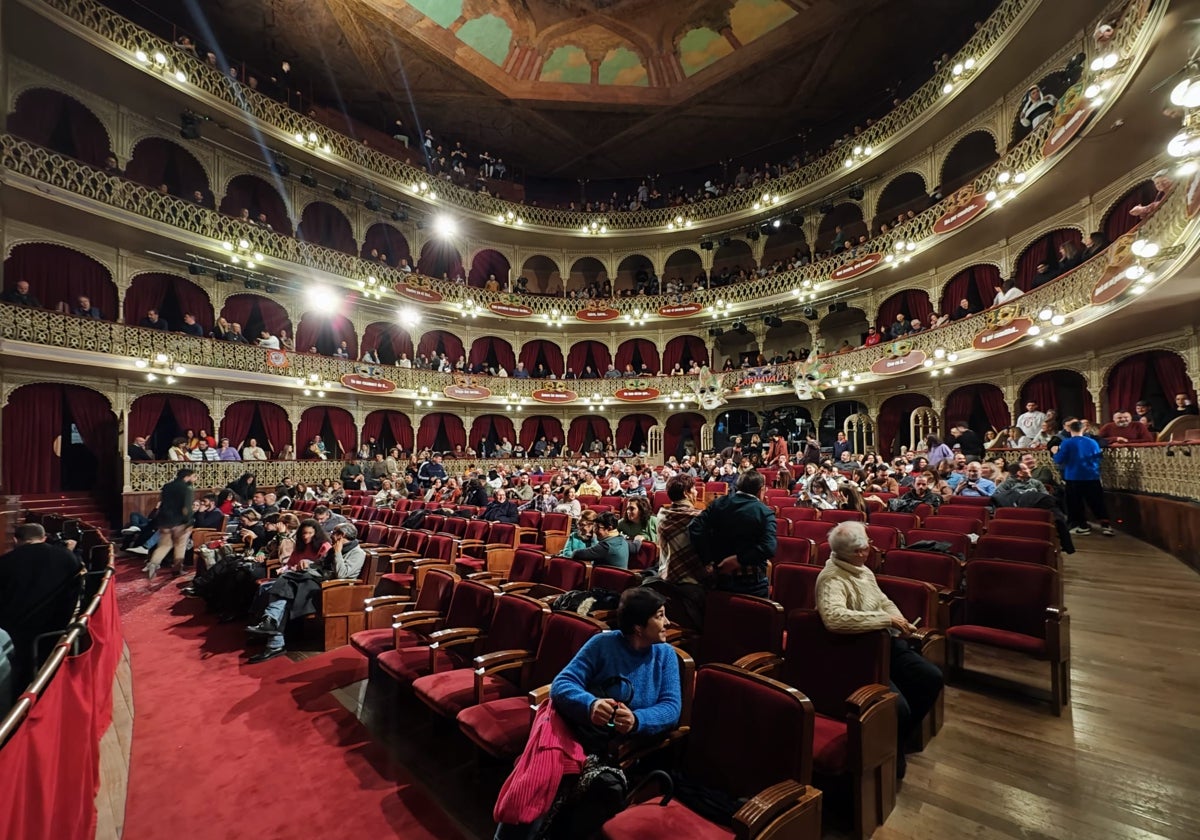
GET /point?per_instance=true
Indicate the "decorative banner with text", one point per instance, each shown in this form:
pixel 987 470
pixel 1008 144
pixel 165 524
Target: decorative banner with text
pixel 418 293
pixel 1115 280
pixel 510 310
pixel 597 315
pixel 679 310
pixel 554 396
pixel 966 204
pixel 857 266
pixel 467 392
pixel 368 384
pixel 1002 334
pixel 636 394
pixel 1070 116
pixel 890 365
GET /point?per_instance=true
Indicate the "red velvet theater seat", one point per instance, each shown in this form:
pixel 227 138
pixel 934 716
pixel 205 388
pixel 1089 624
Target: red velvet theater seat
pixel 735 625
pixel 381 612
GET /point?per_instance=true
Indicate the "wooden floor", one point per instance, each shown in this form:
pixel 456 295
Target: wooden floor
pixel 1122 762
pixel 114 756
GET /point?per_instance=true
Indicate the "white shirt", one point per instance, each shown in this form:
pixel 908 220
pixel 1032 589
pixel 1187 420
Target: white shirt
pixel 271 342
pixel 404 363
pixel 253 453
pixel 1005 297
pixel 1031 424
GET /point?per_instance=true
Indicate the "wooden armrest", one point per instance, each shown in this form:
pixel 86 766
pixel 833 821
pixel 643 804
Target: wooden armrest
pixel 406 619
pixel 410 622
pixel 387 605
pixel 452 636
pixel 762 662
pixel 483 577
pixel 536 696
pixel 1058 634
pixel 607 616
pixel 466 543
pixel 634 749
pixel 871 724
pixel 776 802
pixel 401 564
pixel 497 662
pixel 864 698
pixel 519 586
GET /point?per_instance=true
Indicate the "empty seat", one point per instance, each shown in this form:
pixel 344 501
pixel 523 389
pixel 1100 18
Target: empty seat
pixel 735 625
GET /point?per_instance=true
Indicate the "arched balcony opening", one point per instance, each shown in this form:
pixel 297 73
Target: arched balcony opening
pixel 843 329
pixel 389 340
pixel 57 121
pixel 326 225
pixel 66 436
pixel 682 352
pixel 681 435
pixel 165 418
pixel 587 432
pixel 734 347
pixel 172 297
pixel 737 422
pixel 633 432
pixel 588 359
pixel 1047 250
pixel 436 343
pixel 907 304
pixel 732 258
pixel 685 267
pixel 840 226
pixel 542 358
pixel 1155 376
pixel 1118 220
pixel 975 284
pixel 264 423
pixel 1038 103
pixel 254 314
pixel 389 429
pixel 637 357
pixel 491 354
pixel 542 275
pixel 441 432
pixel 893 431
pixel 157 162
pixel 790 337
pixel 59 277
pixel 833 419
pixel 540 427
pixel 633 271
pixel 904 194
pixel 784 244
pixel 256 196
pixel 440 259
pixel 980 406
pixel 973 153
pixel 325 333
pixel 333 426
pixel 489 432
pixel 489 264
pixel 386 244
pixel 1065 391
pixel 587 274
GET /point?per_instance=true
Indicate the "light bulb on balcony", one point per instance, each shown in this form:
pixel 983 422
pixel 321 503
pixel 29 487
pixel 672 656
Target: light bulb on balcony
pixel 1046 314
pixel 957 70
pixel 1183 144
pixel 1092 91
pixel 1058 320
pixel 928 363
pixel 141 363
pixel 969 64
pixel 180 76
pixel 991 195
pixel 951 357
pixel 141 56
pixel 1110 61
pixel 1135 272
pixel 939 353
pixel 1034 330
pixel 159 58
pixel 948 87
pixel 1004 177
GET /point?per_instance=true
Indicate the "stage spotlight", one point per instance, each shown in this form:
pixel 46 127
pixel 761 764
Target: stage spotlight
pixel 372 203
pixel 342 190
pixel 399 215
pixel 308 179
pixel 856 193
pixel 706 245
pixel 280 165
pixel 189 126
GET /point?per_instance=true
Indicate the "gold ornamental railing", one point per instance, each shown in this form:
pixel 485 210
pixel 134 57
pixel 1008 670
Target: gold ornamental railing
pixel 987 41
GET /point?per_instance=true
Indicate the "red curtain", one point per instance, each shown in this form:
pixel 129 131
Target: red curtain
pixel 1172 375
pixel 57 274
pixel 894 412
pixel 390 340
pixel 51 765
pixel 97 425
pixel 172 296
pixel 637 352
pixel 994 406
pixel 440 341
pixel 438 258
pixel 399 425
pixel 235 425
pixel 385 239
pixel 32 421
pixel 1118 221
pixel 541 351
pixel 585 429
pixel 449 425
pixel 540 426
pixel 1042 390
pixel 959 405
pixel 278 427
pixel 341 423
pixel 977 284
pixel 491 347
pixel 323 224
pixel 57 121
pixel 584 353
pixel 256 311
pixel 683 350
pixel 1044 250
pixel 326 333
pixel 913 303
pixel 157 160
pixel 189 413
pixel 630 425
pixel 248 192
pixel 485 425
pixel 489 262
pixel 1127 381
pixel 673 433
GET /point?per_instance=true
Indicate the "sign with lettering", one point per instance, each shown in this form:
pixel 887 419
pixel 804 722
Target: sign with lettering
pixel 856 266
pixel 1070 116
pixel 467 392
pixel 510 310
pixel 679 310
pixel 1002 335
pixel 890 365
pixel 418 293
pixel 636 394
pixel 368 384
pixel 597 315
pixel 965 205
pixel 1114 282
pixel 277 359
pixel 552 396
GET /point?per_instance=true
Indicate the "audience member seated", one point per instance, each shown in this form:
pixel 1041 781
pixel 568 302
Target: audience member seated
pixel 1122 430
pixel 610 549
pixel 20 295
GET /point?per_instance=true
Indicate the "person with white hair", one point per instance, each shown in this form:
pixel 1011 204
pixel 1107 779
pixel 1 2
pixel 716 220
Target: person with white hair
pixel 850 601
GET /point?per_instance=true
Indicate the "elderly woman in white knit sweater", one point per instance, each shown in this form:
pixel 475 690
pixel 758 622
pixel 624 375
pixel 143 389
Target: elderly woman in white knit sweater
pixel 850 601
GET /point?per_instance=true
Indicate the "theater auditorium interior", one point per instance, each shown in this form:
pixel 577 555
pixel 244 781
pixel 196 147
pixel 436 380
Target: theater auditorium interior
pixel 856 339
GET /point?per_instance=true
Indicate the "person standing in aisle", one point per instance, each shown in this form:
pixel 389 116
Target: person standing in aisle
pixel 1078 457
pixel 174 522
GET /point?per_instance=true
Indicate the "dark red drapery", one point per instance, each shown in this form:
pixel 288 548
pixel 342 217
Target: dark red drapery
pixel 960 405
pixel 592 353
pixel 976 283
pixel 389 340
pixel 630 425
pixel 486 424
pixel 57 274
pixel 540 426
pixel 172 296
pixel 325 332
pixel 256 311
pixel 399 425
pixel 239 417
pixel 912 303
pixel 157 160
pixel 32 421
pixel 637 352
pixel 1172 375
pixel 1118 221
pixel 325 225
pixel 489 262
pixel 894 412
pixel 441 341
pixel 490 347
pixel 189 413
pixel 249 192
pixel 585 429
pixel 1043 250
pixel 385 239
pixel 673 432
pixel 1041 389
pixel 683 350
pixel 97 426
pixel 438 258
pixel 541 351
pixel 58 122
pixel 449 425
pixel 341 423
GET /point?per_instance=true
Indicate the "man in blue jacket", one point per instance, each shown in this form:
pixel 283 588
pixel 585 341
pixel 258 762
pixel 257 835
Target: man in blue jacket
pixel 1078 458
pixel 736 535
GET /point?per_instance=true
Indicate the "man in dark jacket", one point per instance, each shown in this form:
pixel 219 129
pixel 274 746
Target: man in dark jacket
pixel 500 509
pixel 174 522
pixel 736 534
pixel 612 549
pixel 39 590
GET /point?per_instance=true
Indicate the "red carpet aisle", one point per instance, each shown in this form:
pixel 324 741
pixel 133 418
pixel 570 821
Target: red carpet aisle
pixel 226 750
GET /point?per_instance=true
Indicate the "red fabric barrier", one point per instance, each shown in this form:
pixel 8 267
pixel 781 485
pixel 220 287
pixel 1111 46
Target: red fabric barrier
pixel 50 767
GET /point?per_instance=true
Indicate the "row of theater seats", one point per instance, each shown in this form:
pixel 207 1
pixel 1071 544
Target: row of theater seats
pixel 478 643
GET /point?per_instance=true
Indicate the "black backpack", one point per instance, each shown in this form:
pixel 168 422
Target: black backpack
pixel 415 519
